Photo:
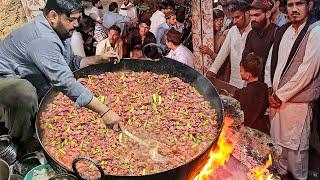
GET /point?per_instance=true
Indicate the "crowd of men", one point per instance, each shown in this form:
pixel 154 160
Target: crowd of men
pixel 126 31
pixel 273 60
pixel 266 49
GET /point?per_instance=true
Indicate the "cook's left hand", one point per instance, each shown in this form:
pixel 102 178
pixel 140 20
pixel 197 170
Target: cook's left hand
pixel 111 56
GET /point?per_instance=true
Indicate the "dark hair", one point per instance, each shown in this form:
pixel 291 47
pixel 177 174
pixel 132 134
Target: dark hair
pixel 115 28
pixel 180 16
pixel 174 37
pixel 137 47
pixel 283 3
pixel 113 6
pixel 217 13
pixel 307 1
pixel 240 5
pixel 62 7
pixel 163 5
pixel 85 23
pixel 215 4
pixel 146 21
pixel 94 2
pixel 252 64
pixel 225 3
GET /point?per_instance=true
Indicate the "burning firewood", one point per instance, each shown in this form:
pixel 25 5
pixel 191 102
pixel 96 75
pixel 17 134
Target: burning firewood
pixel 249 150
pixel 253 146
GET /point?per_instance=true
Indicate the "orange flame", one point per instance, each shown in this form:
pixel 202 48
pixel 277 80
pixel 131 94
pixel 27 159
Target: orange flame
pixel 219 155
pixel 261 172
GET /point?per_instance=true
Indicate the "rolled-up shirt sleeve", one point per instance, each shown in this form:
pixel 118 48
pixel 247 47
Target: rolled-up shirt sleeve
pixel 72 59
pixel 75 62
pixel 48 58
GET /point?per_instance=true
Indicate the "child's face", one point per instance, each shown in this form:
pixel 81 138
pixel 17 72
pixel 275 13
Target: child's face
pixel 244 74
pixel 136 54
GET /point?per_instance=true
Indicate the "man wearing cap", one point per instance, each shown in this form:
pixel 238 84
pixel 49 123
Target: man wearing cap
pixel 171 20
pixel 234 44
pixel 294 61
pixel 260 39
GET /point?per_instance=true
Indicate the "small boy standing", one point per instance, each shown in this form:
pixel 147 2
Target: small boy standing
pixel 253 98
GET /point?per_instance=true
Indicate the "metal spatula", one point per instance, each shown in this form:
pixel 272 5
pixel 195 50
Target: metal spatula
pixel 151 144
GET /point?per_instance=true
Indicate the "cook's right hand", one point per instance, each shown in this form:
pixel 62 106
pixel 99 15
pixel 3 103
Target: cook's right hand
pixel 210 75
pixel 111 119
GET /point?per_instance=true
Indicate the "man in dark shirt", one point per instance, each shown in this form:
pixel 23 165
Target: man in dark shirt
pixel 253 98
pixel 140 36
pixel 260 39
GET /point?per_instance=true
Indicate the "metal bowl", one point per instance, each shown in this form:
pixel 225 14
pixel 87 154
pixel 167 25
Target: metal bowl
pixel 64 177
pixel 8 150
pixel 15 177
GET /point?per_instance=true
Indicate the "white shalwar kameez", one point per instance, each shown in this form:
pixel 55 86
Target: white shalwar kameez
pixel 290 124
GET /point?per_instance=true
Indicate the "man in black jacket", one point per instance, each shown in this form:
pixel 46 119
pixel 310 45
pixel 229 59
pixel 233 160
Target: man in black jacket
pixel 260 38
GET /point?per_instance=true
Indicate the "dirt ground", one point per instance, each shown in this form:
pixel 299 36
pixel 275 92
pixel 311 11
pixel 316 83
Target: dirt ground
pixel 11 16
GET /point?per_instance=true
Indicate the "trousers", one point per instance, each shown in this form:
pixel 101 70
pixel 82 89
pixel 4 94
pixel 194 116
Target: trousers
pixel 294 161
pixel 18 107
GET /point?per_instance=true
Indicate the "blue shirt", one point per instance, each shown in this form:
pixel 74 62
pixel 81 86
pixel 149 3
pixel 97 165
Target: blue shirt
pixel 161 34
pixel 111 18
pixel 281 20
pixel 35 50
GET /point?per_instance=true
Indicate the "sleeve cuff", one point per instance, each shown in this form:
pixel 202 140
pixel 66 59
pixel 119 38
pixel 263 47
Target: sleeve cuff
pixel 212 69
pixel 84 99
pixel 283 99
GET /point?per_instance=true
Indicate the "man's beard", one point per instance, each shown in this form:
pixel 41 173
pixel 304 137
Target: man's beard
pixel 259 25
pixel 100 7
pixel 62 31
